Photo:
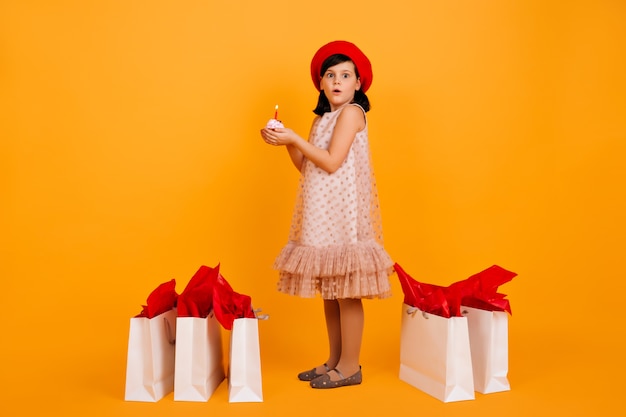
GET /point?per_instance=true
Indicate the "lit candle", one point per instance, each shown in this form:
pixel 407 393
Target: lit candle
pixel 276 112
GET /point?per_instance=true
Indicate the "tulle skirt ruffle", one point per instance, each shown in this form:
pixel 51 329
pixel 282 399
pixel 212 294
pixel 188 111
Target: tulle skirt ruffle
pixel 358 270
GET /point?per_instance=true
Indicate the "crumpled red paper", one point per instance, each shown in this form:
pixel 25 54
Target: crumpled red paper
pixel 209 291
pixel 162 299
pixel 196 300
pixel 229 305
pixel 427 297
pixel 479 291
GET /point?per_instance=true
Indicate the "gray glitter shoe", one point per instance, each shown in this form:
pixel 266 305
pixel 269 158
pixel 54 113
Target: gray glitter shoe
pixel 324 381
pixel 312 374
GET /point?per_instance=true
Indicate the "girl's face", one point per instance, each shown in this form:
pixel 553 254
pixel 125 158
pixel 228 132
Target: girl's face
pixel 339 83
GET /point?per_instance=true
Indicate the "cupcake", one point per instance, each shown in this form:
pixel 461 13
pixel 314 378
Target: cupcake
pixel 274 124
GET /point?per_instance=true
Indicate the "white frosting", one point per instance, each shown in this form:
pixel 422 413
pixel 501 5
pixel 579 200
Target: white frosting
pixel 274 124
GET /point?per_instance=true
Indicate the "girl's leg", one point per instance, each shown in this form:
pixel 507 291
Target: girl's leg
pixel 352 322
pixel 333 328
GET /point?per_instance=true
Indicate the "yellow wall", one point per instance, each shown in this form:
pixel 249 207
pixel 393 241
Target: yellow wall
pixel 130 155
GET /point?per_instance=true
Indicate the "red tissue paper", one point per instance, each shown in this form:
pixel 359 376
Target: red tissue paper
pixel 209 291
pixel 161 299
pixel 196 300
pixel 479 290
pixel 427 297
pixel 229 305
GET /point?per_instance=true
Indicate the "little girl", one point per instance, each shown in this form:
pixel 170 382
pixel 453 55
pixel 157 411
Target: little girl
pixel 335 243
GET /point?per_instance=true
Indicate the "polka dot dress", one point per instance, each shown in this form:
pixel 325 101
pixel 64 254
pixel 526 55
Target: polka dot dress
pixel 335 242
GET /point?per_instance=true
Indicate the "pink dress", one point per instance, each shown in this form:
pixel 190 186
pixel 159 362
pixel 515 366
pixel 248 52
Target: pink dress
pixel 335 245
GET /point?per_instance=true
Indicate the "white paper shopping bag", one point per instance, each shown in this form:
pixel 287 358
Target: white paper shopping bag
pixel 489 342
pixel 244 377
pixel 150 360
pixel 435 355
pixel 199 358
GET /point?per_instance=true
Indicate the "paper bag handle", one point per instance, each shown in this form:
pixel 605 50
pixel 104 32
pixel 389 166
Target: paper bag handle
pixel 412 310
pixel 260 316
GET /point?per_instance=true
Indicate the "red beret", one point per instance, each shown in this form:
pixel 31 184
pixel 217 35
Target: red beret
pixel 361 62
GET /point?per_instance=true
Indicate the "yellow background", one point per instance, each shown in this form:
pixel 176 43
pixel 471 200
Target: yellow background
pixel 130 155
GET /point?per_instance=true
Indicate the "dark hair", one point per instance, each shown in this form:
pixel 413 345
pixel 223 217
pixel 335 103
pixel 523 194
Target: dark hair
pixel 323 106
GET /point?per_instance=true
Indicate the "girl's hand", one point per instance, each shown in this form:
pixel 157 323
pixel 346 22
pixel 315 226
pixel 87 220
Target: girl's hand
pixel 278 137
